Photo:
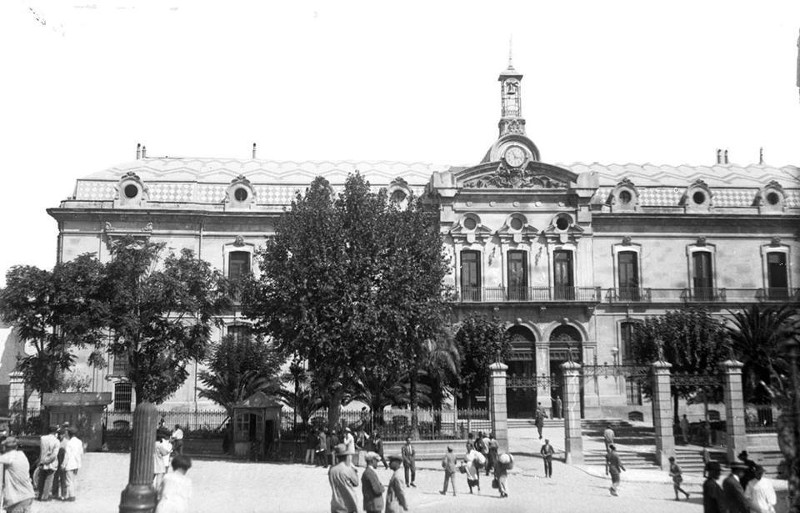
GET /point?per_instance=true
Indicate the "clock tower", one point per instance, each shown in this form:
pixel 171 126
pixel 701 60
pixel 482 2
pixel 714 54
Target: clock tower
pixel 511 120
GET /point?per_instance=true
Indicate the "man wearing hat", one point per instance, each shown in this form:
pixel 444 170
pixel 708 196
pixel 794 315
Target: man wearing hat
pixel 371 486
pixel 343 479
pixel 48 463
pixel 18 491
pixel 732 489
pixel 395 495
pixel 713 500
pixel 449 466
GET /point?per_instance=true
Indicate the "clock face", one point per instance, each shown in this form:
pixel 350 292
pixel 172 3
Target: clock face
pixel 514 156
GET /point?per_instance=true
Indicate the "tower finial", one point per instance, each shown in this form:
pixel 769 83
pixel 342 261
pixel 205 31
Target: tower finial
pixel 510 45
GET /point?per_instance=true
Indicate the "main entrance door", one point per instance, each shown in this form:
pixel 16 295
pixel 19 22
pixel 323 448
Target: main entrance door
pixel 565 344
pixel 521 364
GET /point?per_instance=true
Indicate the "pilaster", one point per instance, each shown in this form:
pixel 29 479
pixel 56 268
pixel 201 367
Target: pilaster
pixel 662 412
pixel 499 404
pixel 734 408
pixel 573 436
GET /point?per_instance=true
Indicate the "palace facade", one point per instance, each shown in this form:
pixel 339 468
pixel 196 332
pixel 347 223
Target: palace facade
pixel 568 256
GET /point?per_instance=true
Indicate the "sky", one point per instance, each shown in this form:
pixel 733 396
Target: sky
pixel 663 82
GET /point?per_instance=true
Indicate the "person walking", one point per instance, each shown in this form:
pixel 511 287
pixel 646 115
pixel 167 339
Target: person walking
pixel 677 478
pixel 73 460
pixel 547 455
pixel 343 479
pixel 371 486
pixel 713 500
pixel 760 493
pixel 176 438
pixel 377 443
pixel 685 429
pixel 449 466
pixel 395 495
pixel 161 451
pixel 18 491
pixel 706 460
pixel 732 489
pixel 350 441
pixel 471 468
pixel 409 462
pixel 539 417
pixel 176 488
pixel 491 458
pixel 60 480
pixel 615 467
pixel 48 463
pixel 750 473
pixel 504 463
pixel 608 439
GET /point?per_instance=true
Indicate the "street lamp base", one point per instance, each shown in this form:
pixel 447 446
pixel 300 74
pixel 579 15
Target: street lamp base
pixel 138 499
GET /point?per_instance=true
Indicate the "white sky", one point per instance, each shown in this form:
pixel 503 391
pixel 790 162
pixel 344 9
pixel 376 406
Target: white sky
pixel 665 82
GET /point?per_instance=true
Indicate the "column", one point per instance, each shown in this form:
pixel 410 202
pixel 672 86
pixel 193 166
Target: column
pixel 139 496
pixel 573 436
pixel 662 412
pixel 734 408
pixel 499 413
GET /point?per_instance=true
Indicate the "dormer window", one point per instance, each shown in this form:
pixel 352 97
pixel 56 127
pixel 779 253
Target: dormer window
pixel 562 222
pixel 698 197
pixel 516 223
pixel 131 191
pixel 470 223
pixel 771 198
pixel 240 193
pixel 624 197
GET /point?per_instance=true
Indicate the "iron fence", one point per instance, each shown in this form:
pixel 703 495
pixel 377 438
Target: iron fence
pixel 761 418
pixel 200 421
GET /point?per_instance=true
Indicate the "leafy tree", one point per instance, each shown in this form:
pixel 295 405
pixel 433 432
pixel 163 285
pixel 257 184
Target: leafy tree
pixel 755 332
pixel 481 342
pixel 304 398
pixel 238 367
pixel 55 312
pixel 160 319
pixel 691 340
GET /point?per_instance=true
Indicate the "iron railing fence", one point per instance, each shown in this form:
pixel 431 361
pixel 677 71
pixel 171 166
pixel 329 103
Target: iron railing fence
pixel 761 418
pixel 190 421
pixel 532 294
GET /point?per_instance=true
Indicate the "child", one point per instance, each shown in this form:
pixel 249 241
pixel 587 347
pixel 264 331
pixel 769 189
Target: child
pixel 176 488
pixel 677 478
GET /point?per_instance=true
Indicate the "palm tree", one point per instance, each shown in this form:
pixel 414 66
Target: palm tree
pixel 755 336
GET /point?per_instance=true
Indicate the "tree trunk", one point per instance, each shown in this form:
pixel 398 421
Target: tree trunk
pixel 335 409
pixel 414 407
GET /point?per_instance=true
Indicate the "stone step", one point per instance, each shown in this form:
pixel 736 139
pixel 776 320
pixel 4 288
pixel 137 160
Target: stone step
pixel 630 459
pixel 524 423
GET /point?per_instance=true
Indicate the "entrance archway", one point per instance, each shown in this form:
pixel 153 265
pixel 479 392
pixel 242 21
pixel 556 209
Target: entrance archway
pixel 565 344
pixel 521 363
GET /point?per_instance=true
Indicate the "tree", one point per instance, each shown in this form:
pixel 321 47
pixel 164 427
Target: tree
pixel 55 312
pixel 691 340
pixel 238 367
pixel 160 319
pixel 755 332
pixel 481 342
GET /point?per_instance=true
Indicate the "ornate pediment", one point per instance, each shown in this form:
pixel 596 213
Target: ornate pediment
pixel 505 177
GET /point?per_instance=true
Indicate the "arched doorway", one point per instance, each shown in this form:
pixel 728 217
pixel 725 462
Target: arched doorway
pixel 521 364
pixel 565 344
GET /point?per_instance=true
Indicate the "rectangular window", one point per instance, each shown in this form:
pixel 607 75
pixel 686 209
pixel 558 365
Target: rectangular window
pixel 626 341
pixel 628 270
pixel 123 396
pixel 517 275
pixel 633 391
pixel 239 331
pixel 121 365
pixel 471 275
pixel 702 281
pixel 564 284
pixel 777 276
pixel 238 264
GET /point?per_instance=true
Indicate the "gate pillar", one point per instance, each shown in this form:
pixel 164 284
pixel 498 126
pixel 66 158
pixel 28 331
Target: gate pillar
pixel 662 412
pixel 734 408
pixel 573 436
pixel 499 404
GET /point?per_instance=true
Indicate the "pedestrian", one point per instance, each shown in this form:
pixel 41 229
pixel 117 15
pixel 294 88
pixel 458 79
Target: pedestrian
pixel 48 463
pixel 333 441
pixel 361 448
pixel 73 460
pixel 504 463
pixel 371 486
pixel 377 444
pixel 321 448
pixel 449 466
pixel 547 455
pixel 480 445
pixel 615 467
pixel 350 441
pixel 343 479
pixel 18 491
pixel 60 480
pixel 732 490
pixel 395 495
pixel 176 487
pixel 176 438
pixel 677 478
pixel 685 429
pixel 760 493
pixel 750 473
pixel 470 442
pixel 559 407
pixel 713 500
pixel 409 462
pixel 311 446
pixel 539 417
pixel 162 450
pixel 492 456
pixel 472 469
pixel 706 460
pixel 608 436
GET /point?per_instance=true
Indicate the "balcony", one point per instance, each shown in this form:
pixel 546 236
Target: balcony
pixel 530 295
pixel 703 295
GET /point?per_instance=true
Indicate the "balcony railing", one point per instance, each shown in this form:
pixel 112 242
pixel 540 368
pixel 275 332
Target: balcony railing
pixel 701 295
pixel 530 294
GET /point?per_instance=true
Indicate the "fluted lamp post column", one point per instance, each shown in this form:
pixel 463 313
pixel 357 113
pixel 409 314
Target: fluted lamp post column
pixel 139 496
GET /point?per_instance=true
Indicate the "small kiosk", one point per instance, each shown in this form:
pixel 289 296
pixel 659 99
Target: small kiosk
pixel 256 426
pixel 82 410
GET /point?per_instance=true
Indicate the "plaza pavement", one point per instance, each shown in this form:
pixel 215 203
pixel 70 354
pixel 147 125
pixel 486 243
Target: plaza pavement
pixel 225 486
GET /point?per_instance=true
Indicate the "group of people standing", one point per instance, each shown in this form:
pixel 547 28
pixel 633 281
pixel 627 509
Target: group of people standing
pixel 60 458
pixel 344 482
pixel 744 490
pixel 174 488
pixel 481 453
pixel 321 446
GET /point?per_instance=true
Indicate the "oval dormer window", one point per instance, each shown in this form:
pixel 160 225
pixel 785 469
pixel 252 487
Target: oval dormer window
pixel 131 191
pixel 625 197
pixel 699 197
pixel 562 222
pixel 516 223
pixel 773 198
pixel 240 194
